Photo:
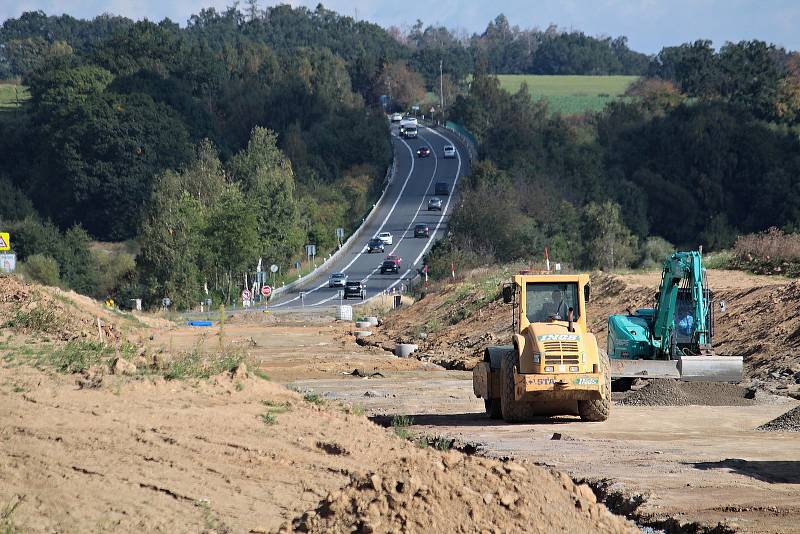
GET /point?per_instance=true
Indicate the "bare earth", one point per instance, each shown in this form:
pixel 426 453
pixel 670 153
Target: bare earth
pixel 245 454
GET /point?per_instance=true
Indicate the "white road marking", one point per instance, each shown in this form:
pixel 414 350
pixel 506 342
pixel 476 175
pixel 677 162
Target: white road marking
pixel 386 219
pixel 383 223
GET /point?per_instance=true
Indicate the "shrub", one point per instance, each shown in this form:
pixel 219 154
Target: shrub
pixel 772 245
pixel 42 269
pixel 654 251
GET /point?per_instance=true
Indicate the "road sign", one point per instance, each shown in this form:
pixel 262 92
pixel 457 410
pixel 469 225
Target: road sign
pixel 245 295
pixel 273 268
pixel 8 262
pixel 433 109
pixel 266 291
pixel 340 233
pixel 5 241
pixel 311 250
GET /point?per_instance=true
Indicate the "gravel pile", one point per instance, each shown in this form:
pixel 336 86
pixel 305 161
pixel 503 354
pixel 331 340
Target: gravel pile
pixel 667 392
pixel 788 422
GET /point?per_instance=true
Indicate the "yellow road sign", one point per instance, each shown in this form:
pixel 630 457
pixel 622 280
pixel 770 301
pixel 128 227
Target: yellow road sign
pixel 5 241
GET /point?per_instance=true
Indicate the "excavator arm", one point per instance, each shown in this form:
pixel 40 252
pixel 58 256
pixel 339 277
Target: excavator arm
pixel 682 270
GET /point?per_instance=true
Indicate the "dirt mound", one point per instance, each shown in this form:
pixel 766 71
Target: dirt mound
pixel 666 392
pixel 242 454
pixel 48 312
pixel 454 493
pixel 788 422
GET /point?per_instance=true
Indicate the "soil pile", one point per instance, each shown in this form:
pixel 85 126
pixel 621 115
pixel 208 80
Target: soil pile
pixel 242 454
pixel 666 392
pixel 788 422
pixel 49 313
pixel 453 493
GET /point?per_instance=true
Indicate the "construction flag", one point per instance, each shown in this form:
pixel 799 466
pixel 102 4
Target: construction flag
pixel 453 270
pixel 547 259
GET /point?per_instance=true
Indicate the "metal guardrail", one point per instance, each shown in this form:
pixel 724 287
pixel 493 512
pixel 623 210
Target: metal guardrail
pixel 465 137
pixel 390 172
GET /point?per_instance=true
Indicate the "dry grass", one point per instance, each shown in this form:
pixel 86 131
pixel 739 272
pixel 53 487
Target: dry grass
pixel 773 244
pixel 770 252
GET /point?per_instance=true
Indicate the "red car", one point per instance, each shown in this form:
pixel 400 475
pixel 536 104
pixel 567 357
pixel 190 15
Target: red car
pixel 394 259
pixel 424 152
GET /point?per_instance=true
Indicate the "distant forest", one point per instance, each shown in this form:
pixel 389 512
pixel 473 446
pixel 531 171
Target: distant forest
pixel 246 133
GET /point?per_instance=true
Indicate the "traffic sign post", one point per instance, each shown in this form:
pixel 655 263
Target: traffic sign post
pixel 5 241
pixel 246 298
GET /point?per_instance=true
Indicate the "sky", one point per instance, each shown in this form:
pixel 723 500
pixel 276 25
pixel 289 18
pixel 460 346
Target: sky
pixel 648 24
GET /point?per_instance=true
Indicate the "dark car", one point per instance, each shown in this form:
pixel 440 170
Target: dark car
pixel 375 245
pixel 435 204
pixel 441 189
pixel 422 230
pixel 355 290
pixel 390 266
pixel 424 152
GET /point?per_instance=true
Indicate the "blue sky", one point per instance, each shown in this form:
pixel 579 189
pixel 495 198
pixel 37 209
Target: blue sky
pixel 648 24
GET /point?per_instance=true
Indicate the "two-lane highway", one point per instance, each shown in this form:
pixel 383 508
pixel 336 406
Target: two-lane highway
pixel 404 205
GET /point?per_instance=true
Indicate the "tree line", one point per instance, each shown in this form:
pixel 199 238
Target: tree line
pixel 624 186
pixel 143 130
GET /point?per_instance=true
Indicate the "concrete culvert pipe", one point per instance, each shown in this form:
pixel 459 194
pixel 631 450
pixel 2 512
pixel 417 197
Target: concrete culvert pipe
pixel 363 324
pixel 362 333
pixel 404 350
pixel 372 320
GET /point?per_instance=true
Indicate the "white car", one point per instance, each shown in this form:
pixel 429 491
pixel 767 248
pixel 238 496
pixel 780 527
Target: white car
pixel 449 151
pixel 396 117
pixel 386 237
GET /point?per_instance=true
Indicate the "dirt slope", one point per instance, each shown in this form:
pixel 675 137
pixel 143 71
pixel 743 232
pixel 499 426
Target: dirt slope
pixel 761 322
pixel 246 455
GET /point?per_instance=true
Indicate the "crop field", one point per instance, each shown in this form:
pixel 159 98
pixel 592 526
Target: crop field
pixel 570 95
pixel 11 95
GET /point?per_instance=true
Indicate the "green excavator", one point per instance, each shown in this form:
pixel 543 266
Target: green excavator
pixel 672 339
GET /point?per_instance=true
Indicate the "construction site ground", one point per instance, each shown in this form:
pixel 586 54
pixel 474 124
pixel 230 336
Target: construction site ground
pixel 241 453
pixel 695 466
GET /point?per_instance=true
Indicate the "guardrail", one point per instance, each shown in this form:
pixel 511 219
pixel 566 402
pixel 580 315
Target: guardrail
pixel 466 138
pixel 390 172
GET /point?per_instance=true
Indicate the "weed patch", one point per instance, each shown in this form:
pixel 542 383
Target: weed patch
pixel 314 398
pixel 37 318
pixel 197 364
pixel 400 424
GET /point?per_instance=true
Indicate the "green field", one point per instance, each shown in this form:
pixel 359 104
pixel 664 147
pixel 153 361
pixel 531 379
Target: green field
pixel 9 95
pixel 570 95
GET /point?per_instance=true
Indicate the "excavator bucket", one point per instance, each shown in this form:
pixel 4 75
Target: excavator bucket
pixel 711 368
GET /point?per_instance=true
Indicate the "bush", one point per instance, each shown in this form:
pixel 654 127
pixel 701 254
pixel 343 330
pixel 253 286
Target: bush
pixel 42 269
pixel 773 245
pixel 654 251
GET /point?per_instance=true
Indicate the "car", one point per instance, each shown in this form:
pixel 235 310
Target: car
pixel 355 290
pixel 390 266
pixel 441 189
pixel 375 245
pixel 408 132
pixel 435 204
pixel 337 280
pixel 423 152
pixel 396 117
pixel 386 237
pixel 392 257
pixel 449 151
pixel 422 230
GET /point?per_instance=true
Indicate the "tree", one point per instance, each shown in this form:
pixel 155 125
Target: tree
pixel 404 86
pixel 607 242
pixel 267 181
pixel 232 235
pixel 42 269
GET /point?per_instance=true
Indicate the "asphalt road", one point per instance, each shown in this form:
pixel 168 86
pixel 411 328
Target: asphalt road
pixel 404 205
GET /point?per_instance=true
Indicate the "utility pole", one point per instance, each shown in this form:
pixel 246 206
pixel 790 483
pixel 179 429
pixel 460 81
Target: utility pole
pixel 441 86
